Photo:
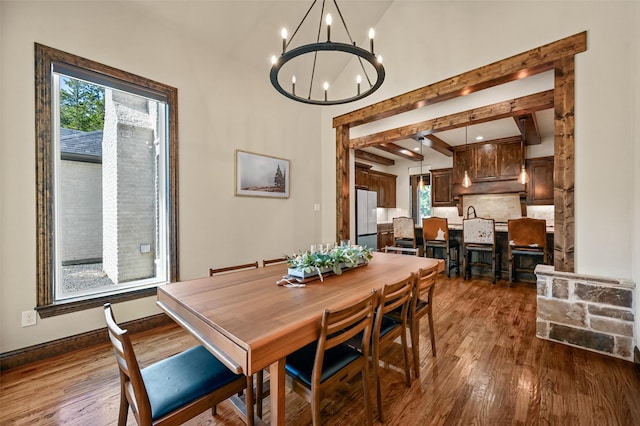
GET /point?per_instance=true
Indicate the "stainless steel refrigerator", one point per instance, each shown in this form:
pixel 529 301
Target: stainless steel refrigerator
pixel 366 218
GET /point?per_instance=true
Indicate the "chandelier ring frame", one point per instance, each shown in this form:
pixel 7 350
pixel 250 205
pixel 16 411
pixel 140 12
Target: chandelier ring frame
pixel 323 47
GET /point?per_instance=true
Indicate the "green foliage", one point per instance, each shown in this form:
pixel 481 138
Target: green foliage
pixel 335 259
pixel 81 105
pixel 424 201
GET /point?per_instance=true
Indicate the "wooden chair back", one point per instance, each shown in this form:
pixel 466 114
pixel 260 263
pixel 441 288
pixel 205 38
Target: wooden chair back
pixel 421 305
pixel 402 250
pixel 131 383
pixel 394 298
pixel 170 401
pixel 277 261
pixel 337 327
pixel 251 265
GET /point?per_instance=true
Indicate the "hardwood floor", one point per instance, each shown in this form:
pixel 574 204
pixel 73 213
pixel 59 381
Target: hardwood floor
pixel 490 370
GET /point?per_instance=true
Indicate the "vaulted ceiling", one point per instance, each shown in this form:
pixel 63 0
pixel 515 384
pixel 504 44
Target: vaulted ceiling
pixel 249 32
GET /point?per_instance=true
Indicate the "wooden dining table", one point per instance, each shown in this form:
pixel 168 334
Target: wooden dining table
pixel 250 323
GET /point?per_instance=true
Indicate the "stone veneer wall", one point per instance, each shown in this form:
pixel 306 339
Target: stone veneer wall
pixel 592 313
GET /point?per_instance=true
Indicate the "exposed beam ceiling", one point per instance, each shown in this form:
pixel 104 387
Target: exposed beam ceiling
pixel 400 151
pixel 511 108
pixel 373 158
pixel 439 145
pixel 531 134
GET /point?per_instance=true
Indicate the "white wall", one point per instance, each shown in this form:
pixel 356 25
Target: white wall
pixel 223 106
pixel 425 42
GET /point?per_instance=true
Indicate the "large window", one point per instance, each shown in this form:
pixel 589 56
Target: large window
pixel 106 175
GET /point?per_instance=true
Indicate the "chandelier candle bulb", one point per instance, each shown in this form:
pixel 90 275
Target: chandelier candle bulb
pixel 293 84
pixel 358 80
pixel 284 39
pixel 372 34
pixel 328 21
pixel 326 87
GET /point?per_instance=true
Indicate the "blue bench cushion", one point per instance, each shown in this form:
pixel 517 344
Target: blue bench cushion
pixel 182 378
pixel 300 363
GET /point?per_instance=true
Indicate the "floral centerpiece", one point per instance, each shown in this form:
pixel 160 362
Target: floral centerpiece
pixel 307 264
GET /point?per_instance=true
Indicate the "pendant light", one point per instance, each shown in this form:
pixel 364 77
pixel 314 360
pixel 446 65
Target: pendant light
pixel 523 177
pixel 466 181
pixel 421 183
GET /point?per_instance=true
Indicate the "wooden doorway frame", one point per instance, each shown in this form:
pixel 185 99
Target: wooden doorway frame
pixel 557 56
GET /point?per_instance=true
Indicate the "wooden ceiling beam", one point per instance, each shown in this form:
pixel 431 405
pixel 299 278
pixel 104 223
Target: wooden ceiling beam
pixel 532 134
pixel 439 145
pixel 519 66
pixel 514 107
pixel 400 151
pixel 374 158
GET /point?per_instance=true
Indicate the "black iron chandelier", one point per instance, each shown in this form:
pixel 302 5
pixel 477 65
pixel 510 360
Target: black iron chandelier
pixel 367 60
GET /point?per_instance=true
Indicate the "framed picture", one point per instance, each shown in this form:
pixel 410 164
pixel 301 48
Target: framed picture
pixel 261 175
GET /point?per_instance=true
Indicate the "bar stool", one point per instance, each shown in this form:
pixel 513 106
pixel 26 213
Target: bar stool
pixel 435 236
pixel 527 237
pixel 479 235
pixel 404 232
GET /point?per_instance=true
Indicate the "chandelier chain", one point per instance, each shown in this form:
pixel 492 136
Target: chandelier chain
pixel 300 24
pixel 350 39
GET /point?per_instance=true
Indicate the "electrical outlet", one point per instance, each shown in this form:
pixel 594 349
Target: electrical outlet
pixel 29 318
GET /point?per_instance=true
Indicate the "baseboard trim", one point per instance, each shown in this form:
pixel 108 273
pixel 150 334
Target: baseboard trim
pixel 46 350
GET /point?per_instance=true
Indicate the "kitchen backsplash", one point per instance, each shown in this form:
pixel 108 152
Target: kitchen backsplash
pixel 535 212
pixel 492 208
pixel 387 215
pixel 500 207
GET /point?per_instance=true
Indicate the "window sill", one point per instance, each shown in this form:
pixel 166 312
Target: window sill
pixel 63 308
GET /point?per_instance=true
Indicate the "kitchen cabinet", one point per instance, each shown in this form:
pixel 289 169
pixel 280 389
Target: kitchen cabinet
pixel 510 160
pixel 488 161
pixel 384 184
pixel 386 189
pixel 486 156
pixel 362 177
pixel 540 186
pixel 441 183
pixel 463 160
pixel 385 235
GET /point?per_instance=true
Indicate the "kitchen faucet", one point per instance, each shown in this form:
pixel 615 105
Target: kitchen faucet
pixel 474 211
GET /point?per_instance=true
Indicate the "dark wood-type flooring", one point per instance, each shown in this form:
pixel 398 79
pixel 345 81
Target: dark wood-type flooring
pixel 490 369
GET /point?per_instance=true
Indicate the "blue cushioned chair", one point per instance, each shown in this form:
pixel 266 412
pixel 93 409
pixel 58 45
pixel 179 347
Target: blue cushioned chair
pixel 328 363
pixel 173 390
